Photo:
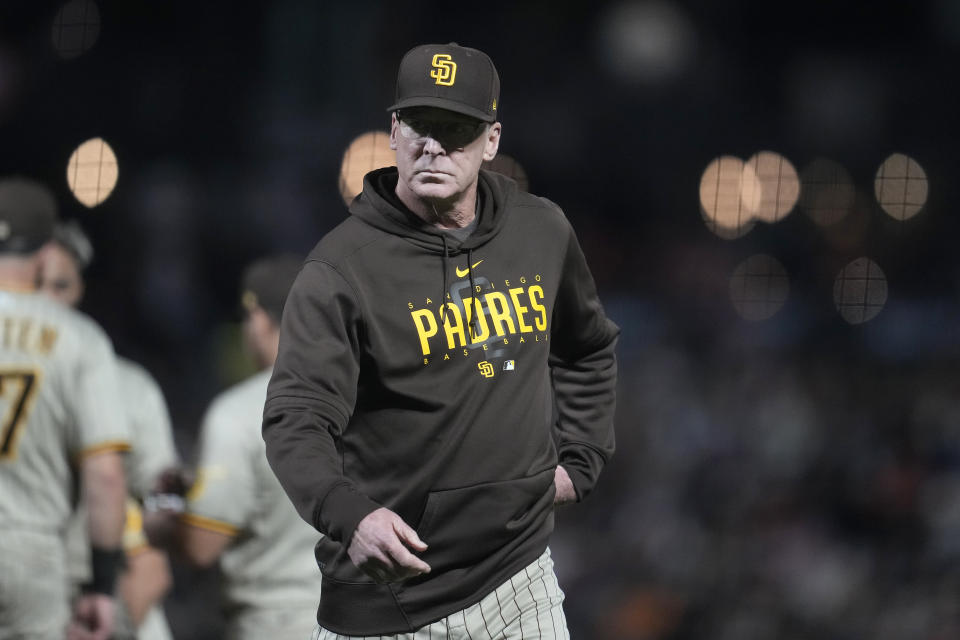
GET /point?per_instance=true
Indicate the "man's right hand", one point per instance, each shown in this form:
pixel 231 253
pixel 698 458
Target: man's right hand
pixel 381 547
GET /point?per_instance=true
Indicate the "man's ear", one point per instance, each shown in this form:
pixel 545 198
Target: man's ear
pixel 492 143
pixel 393 131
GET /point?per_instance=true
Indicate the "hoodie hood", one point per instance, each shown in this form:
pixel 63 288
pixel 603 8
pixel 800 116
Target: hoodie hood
pixel 379 206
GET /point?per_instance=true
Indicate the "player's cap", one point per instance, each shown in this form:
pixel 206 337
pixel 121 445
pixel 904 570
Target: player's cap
pixel 71 237
pixel 28 213
pixel 267 281
pixel 450 77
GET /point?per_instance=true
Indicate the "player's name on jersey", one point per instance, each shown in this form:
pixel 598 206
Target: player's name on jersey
pixel 18 333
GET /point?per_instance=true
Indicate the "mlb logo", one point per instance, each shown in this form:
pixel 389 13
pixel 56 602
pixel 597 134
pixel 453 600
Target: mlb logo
pixel 508 365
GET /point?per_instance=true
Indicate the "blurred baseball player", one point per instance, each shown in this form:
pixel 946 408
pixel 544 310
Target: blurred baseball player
pixel 147 578
pixel 60 420
pixel 236 511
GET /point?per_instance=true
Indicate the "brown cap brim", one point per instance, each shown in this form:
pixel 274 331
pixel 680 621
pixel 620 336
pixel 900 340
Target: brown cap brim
pixel 441 103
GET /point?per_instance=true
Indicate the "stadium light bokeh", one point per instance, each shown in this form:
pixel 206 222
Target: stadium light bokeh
pixel 827 191
pixel 646 42
pixel 729 195
pixel 759 287
pixel 860 291
pixel 76 28
pixel 365 153
pixel 901 186
pixel 92 172
pixel 779 185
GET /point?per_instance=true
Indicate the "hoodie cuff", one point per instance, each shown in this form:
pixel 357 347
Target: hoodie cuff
pixel 578 479
pixel 341 512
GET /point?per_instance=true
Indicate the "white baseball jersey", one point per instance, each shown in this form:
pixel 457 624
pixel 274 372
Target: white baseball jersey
pixel 144 405
pixel 270 563
pixel 59 401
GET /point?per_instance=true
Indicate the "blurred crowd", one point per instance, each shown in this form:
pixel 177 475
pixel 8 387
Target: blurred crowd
pixel 776 495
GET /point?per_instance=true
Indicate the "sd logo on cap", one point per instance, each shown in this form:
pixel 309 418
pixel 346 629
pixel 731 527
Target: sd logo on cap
pixel 450 77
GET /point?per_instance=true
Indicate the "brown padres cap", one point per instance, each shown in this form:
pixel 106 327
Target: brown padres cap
pixel 450 77
pixel 28 213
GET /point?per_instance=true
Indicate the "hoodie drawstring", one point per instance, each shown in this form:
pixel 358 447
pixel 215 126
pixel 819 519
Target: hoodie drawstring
pixel 443 294
pixel 473 292
pixel 473 289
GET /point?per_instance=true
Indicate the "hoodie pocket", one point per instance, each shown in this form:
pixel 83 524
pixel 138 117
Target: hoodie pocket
pixel 463 526
pixel 335 564
pixel 351 600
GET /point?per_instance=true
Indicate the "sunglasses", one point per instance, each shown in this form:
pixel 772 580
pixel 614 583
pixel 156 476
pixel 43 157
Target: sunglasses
pixel 449 133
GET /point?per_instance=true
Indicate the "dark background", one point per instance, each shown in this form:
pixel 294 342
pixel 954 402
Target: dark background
pixel 790 478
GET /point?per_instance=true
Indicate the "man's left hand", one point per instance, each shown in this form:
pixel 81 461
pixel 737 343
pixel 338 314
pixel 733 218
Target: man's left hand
pixel 94 617
pixel 565 491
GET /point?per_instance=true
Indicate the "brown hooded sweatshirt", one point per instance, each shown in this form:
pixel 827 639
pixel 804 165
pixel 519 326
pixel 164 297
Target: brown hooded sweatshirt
pixel 445 381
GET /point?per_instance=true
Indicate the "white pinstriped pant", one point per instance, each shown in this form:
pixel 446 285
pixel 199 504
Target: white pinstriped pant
pixel 527 606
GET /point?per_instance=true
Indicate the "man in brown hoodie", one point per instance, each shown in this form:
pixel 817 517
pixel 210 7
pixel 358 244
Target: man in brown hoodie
pixel 446 375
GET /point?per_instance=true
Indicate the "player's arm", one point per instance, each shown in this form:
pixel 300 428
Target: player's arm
pixel 202 545
pixel 222 497
pixel 309 402
pixel 183 531
pixel 145 582
pixel 584 371
pixel 103 490
pixel 147 578
pixel 104 495
pixel 92 393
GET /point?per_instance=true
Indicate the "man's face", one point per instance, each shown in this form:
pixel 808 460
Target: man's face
pixel 439 152
pixel 60 277
pixel 261 336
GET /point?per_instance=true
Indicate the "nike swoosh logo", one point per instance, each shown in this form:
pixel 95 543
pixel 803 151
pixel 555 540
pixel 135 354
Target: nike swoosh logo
pixel 463 272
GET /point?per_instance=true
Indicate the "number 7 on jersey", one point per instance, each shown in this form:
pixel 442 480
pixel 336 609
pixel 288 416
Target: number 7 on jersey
pixel 17 388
